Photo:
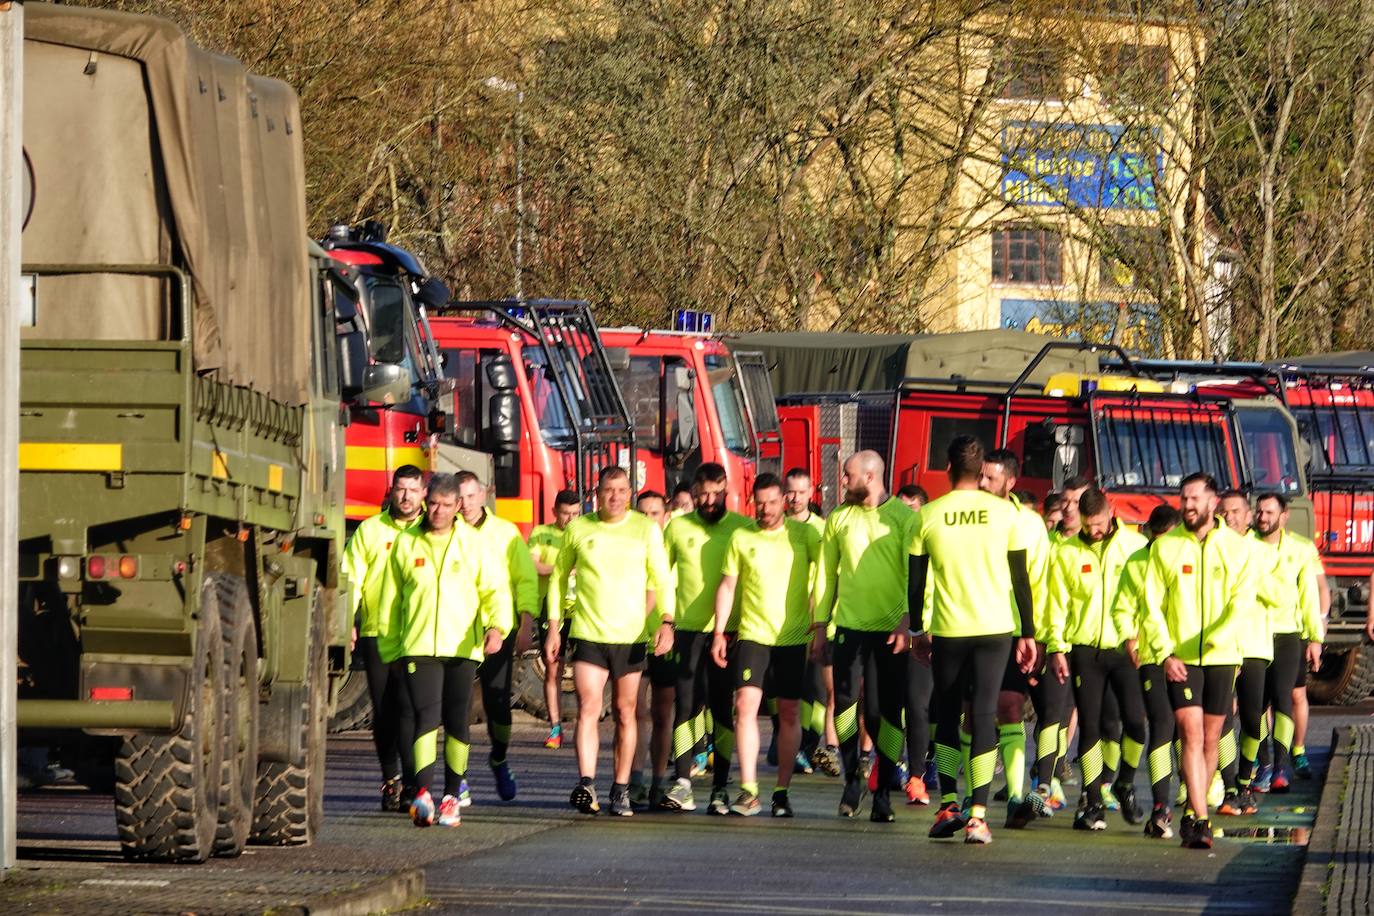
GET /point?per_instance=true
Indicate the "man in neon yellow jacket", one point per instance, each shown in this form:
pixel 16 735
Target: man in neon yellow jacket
pixel 452 600
pixel 1197 602
pixel 367 564
pixel 1128 612
pixel 1296 622
pixel 1085 578
pixel 508 548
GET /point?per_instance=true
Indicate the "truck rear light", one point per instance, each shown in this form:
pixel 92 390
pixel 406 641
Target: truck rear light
pixel 128 567
pixel 112 693
pixel 95 567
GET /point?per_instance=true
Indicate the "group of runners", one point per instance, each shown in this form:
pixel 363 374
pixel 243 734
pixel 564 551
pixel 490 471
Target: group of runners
pixel 895 643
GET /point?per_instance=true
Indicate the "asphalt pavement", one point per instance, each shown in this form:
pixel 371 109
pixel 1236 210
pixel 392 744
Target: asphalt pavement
pixel 536 853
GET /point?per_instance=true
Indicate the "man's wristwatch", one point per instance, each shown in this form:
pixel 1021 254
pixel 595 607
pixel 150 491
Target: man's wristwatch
pixel 670 621
pixel 915 634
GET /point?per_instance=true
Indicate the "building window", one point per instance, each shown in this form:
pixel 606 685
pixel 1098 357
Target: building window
pixel 1133 257
pixel 1029 70
pixel 1032 256
pixel 1133 74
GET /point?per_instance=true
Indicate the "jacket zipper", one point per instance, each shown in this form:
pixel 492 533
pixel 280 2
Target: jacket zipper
pixel 1202 591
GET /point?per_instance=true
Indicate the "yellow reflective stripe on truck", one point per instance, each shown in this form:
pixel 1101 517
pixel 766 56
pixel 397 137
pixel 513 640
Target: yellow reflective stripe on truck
pixel 71 456
pixel 516 510
pixel 374 457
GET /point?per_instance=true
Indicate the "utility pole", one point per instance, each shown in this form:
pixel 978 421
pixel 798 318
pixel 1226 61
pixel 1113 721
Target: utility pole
pixel 12 181
pixel 500 84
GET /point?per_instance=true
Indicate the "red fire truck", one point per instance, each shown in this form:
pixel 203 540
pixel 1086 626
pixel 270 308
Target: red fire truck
pixel 687 397
pixel 534 390
pixel 392 290
pixel 1331 400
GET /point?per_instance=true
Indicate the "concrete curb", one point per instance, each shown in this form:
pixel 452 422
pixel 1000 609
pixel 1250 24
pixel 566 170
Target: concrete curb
pixel 393 892
pixel 1321 848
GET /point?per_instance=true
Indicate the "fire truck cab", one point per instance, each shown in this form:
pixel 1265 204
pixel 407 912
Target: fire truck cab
pixel 687 399
pixel 535 391
pixel 389 290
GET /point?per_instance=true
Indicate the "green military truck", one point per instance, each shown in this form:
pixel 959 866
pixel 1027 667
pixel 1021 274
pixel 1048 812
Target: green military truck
pixel 181 515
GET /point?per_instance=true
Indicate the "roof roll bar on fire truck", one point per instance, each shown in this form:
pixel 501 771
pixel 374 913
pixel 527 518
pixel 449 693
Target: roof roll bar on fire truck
pixel 581 372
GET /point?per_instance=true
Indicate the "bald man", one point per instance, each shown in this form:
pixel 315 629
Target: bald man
pixel 863 592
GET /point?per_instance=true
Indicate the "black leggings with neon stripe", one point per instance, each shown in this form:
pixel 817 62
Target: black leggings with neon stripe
pixel 441 692
pixel 864 659
pixel 967 666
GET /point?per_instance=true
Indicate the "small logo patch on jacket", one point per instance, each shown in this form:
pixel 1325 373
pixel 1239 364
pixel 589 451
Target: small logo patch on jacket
pixel 419 561
pixel 1187 569
pixel 1087 567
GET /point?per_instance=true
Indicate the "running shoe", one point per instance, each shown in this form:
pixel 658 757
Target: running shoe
pixel 802 764
pixel 916 792
pixel 583 798
pixel 407 799
pixel 1200 837
pixel 1160 824
pixel 719 804
pixel 555 739
pixel 1040 802
pixel 1020 812
pixel 505 781
pixel 657 794
pixel 679 797
pixel 464 795
pixel 1263 776
pixel 932 779
pixel 1279 785
pixel 826 759
pixel 639 795
pixel 1301 768
pixel 1093 817
pixel 1216 792
pixel 450 815
pixel 852 797
pixel 1248 803
pixel 977 832
pixel 1130 808
pixel 620 803
pixel 880 812
pixel 782 805
pixel 1230 805
pixel 1109 799
pixel 699 764
pixel 1058 801
pixel 391 794
pixel 422 809
pixel 746 804
pixel 949 820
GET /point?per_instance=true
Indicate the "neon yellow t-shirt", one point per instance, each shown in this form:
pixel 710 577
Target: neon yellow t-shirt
pixel 864 566
pixel 695 552
pixel 967 535
pixel 616 563
pixel 776 571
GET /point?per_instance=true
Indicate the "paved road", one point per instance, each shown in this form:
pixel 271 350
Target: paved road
pixel 536 854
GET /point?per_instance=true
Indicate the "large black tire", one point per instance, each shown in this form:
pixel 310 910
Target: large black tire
pixel 167 787
pixel 527 688
pixel 238 773
pixel 353 709
pixel 1345 678
pixel 289 801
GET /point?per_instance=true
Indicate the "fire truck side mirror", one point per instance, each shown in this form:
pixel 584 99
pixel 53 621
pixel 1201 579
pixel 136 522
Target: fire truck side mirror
pixel 433 293
pixel 386 383
pixel 501 373
pixel 1067 454
pixel 503 421
pixel 352 363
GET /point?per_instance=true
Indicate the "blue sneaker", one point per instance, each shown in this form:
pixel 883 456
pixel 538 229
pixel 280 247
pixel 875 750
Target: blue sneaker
pixel 802 764
pixel 464 795
pixel 422 809
pixel 932 777
pixel 505 780
pixel 1263 777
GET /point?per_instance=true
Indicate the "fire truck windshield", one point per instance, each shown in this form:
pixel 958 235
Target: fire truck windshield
pixel 1270 452
pixel 1142 448
pixel 1341 438
pixel 555 424
pixel 729 400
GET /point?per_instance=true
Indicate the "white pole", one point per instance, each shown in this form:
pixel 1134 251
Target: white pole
pixel 11 224
pixel 519 194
